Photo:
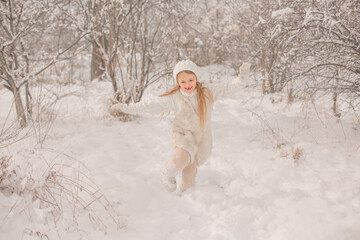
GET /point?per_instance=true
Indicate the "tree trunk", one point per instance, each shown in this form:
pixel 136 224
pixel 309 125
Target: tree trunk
pixel 97 63
pixel 20 111
pixel 335 95
pixel 28 99
pixel 271 82
pixel 290 96
pixel 262 62
pixel 19 107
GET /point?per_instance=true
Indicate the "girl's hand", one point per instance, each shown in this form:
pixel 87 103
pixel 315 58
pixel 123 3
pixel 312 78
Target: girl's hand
pixel 115 109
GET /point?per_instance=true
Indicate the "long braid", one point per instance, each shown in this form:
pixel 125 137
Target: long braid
pixel 203 93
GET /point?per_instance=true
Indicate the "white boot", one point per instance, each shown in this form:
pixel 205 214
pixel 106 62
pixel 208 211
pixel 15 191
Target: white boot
pixel 169 173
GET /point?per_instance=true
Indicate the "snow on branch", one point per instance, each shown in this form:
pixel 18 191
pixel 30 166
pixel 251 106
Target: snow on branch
pixel 281 12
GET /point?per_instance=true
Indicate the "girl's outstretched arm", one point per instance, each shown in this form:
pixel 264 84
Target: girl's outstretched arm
pixel 243 77
pixel 228 89
pixel 151 106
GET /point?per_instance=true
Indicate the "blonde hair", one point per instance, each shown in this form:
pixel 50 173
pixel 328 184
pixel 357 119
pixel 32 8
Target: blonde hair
pixel 202 94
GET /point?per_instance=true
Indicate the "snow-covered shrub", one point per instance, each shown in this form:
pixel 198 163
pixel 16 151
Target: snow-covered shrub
pixel 54 188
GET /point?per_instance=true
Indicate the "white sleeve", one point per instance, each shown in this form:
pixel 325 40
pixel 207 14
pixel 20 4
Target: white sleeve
pixel 227 89
pixel 151 106
pixel 230 88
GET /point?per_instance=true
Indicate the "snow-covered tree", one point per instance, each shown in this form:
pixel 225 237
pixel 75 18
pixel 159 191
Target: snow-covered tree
pixel 207 32
pixel 304 46
pixel 30 42
pixel 270 32
pixel 129 40
pixel 333 28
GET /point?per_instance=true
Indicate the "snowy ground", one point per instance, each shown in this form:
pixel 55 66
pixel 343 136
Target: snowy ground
pixel 277 171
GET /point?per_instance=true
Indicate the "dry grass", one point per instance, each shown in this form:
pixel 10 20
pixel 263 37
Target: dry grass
pixel 34 234
pixel 297 154
pixel 285 147
pixel 268 131
pixel 65 192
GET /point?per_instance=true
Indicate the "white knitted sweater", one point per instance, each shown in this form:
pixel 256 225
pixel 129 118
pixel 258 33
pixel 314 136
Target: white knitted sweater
pixel 186 132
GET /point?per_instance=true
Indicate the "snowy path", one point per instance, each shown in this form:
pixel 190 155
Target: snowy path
pixel 245 191
pixel 248 189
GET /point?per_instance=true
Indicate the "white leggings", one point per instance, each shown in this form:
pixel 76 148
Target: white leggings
pixel 181 162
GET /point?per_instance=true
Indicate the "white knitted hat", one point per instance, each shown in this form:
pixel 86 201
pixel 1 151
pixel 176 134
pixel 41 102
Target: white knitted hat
pixel 186 65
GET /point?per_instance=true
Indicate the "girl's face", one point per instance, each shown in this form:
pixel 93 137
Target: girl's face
pixel 187 81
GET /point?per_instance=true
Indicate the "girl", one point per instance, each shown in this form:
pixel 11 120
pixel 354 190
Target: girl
pixel 190 133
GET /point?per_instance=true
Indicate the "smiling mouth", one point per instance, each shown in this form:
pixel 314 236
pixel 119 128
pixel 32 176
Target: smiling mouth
pixel 188 89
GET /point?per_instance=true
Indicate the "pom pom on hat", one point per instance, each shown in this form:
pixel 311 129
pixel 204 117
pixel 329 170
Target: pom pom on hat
pixel 186 65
